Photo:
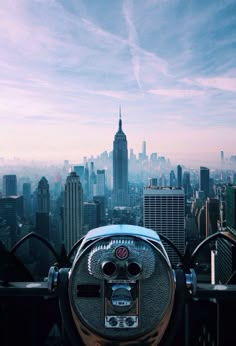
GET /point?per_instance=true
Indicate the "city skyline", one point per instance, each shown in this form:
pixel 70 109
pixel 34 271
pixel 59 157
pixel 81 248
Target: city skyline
pixel 66 68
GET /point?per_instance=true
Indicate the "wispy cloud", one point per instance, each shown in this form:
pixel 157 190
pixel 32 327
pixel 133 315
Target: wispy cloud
pixel 176 93
pixel 132 40
pixel 164 61
pixel 222 83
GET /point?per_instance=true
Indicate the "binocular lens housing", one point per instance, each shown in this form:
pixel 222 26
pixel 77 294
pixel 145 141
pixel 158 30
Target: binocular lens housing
pixel 121 287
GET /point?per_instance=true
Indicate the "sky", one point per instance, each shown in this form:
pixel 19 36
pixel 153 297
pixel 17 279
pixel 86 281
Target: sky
pixel 68 66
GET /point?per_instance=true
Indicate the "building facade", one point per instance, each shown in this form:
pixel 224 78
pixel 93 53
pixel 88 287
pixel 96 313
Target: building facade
pixel 12 211
pixel 230 204
pixel 164 212
pixel 9 185
pixel 73 210
pixel 100 185
pixel 204 183
pixel 179 176
pixel 43 209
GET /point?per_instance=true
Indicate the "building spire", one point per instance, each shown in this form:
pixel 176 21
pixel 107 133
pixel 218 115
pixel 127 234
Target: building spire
pixel 120 121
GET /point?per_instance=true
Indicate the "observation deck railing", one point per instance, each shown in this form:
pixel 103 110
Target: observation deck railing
pixel 30 314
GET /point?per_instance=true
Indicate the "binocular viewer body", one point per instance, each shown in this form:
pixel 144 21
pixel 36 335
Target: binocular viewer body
pixel 120 289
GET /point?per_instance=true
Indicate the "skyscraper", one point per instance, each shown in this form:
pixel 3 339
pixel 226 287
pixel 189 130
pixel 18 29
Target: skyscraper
pixel 120 168
pixel 9 185
pixel 100 186
pixel 172 179
pixel 204 181
pixel 27 199
pixel 73 210
pixel 42 225
pixel 230 200
pixel 179 176
pixel 92 181
pixel 12 211
pixel 164 212
pixel 43 209
pixel 91 215
pixel 43 196
pixel 187 185
pixel 212 206
pixel 143 155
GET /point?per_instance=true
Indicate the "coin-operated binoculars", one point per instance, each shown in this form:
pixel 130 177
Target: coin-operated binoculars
pixel 120 290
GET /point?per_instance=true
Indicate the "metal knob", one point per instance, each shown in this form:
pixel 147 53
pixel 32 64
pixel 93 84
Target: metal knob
pixel 53 278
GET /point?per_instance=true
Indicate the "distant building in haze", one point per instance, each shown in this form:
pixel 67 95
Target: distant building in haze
pixel 100 185
pixel 9 185
pixel 173 181
pixel 204 183
pixel 179 176
pixel 92 181
pixel 73 210
pixel 187 185
pixel 120 168
pixel 143 155
pixel 27 200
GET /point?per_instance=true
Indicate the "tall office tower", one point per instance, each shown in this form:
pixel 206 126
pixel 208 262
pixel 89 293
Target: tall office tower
pixel 179 176
pixel 201 222
pixel 153 158
pixel 222 160
pixel 120 168
pixel 91 215
pixel 101 208
pixel 12 211
pixel 43 196
pixel 73 210
pixel 9 185
pixel 27 199
pixel 173 181
pixel 162 181
pixel 132 156
pixel 79 170
pixel 230 204
pixel 212 206
pixel 143 154
pixel 43 209
pixel 164 212
pixel 92 181
pixel 42 225
pixel 204 183
pixel 153 182
pixel 86 182
pixel 100 186
pixel 187 185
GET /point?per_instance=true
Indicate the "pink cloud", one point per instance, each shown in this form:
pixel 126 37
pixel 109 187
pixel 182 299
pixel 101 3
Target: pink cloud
pixel 176 93
pixel 223 83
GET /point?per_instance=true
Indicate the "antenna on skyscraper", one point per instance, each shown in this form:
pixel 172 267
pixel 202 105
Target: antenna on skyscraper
pixel 120 121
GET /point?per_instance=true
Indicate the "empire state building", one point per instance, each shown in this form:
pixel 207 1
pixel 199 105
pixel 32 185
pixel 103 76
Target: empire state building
pixel 120 168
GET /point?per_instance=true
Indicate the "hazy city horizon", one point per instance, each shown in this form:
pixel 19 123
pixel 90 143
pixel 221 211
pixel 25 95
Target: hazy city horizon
pixel 189 160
